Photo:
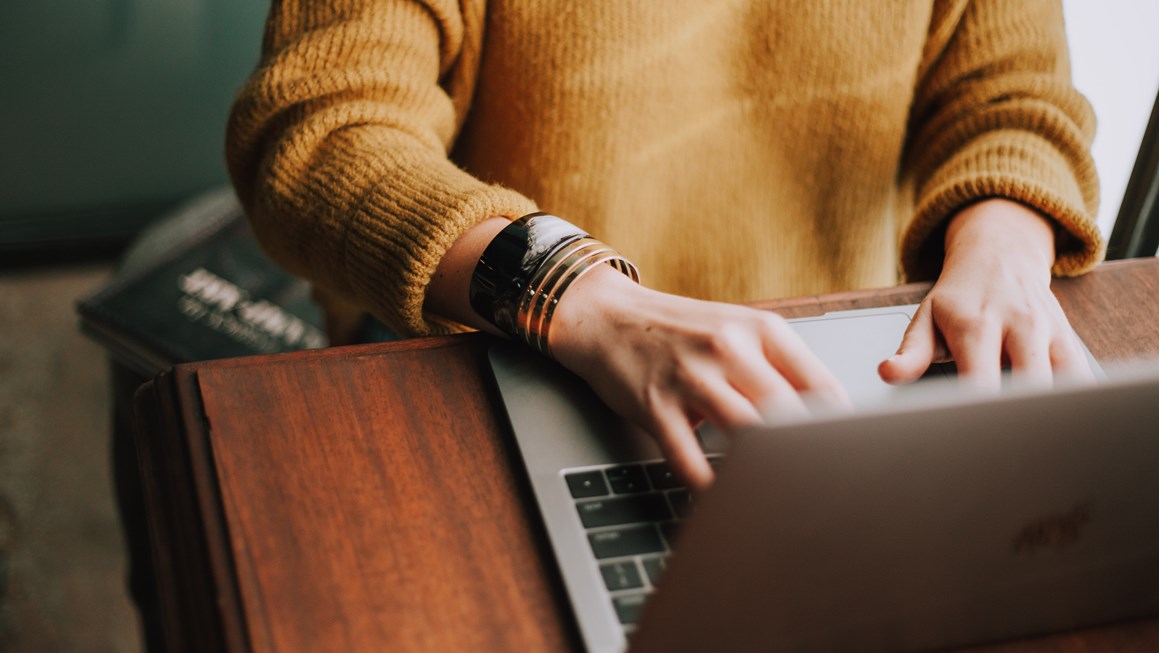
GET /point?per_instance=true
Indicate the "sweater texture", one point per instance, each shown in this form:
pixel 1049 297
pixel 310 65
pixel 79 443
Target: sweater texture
pixel 735 150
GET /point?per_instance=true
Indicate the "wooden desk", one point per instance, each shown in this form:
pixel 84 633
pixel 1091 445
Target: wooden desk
pixel 370 498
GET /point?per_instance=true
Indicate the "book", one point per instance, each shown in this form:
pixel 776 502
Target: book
pixel 196 286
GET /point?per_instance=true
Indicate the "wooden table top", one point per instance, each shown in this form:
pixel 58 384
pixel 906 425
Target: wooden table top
pixel 371 498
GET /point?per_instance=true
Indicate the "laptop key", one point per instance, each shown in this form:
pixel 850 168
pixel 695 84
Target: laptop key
pixel 682 501
pixel 662 476
pixel 653 568
pixel 627 479
pixel 628 541
pixel 628 607
pixel 671 530
pixel 621 576
pixel 583 485
pixel 623 510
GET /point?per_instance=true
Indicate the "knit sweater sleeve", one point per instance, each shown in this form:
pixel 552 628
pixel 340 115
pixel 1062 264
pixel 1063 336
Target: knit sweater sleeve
pixel 995 115
pixel 338 147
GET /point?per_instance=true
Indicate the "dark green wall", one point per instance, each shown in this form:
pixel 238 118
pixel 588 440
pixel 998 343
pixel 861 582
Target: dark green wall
pixel 113 109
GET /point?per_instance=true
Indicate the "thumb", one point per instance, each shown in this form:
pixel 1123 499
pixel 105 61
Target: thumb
pixel 916 352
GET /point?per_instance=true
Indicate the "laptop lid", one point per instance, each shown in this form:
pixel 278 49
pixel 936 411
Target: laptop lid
pixel 958 522
pixel 559 424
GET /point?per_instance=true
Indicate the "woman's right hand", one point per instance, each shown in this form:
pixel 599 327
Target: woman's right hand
pixel 667 362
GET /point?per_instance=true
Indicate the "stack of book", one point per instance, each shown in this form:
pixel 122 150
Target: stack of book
pixel 197 286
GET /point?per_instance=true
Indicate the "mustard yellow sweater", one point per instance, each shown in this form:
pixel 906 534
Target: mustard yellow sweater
pixel 733 149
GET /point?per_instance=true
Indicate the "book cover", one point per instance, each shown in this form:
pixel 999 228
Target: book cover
pixel 197 286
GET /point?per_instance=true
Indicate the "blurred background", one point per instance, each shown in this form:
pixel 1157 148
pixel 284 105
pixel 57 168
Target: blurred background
pixel 113 112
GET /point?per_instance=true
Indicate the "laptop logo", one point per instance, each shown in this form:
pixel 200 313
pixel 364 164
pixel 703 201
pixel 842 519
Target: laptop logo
pixel 1052 532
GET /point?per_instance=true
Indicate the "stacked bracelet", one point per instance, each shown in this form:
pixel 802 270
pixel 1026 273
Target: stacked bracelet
pixel 525 270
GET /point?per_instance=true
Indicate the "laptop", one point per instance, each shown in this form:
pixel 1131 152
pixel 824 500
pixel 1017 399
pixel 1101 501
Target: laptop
pixel 926 519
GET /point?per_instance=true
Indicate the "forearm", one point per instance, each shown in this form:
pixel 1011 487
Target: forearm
pixel 337 147
pixel 995 115
pixel 448 292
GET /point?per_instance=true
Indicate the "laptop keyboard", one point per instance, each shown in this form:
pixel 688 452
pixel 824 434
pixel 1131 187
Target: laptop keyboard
pixel 631 515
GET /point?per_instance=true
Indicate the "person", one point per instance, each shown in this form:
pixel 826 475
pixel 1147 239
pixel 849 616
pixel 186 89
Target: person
pixel 734 151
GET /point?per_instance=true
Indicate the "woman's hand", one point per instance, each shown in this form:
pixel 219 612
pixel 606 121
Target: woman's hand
pixel 662 361
pixel 992 304
pixel 667 362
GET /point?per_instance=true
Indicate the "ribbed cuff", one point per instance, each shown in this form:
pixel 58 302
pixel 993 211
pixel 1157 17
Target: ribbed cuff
pixel 1013 165
pixel 404 229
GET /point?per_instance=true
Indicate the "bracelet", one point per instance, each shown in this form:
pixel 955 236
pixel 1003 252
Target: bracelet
pixel 539 319
pixel 524 271
pixel 547 286
pixel 509 261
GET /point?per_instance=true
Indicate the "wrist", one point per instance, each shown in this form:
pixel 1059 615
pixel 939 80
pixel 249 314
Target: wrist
pixel 1003 229
pixel 593 302
pixel 448 292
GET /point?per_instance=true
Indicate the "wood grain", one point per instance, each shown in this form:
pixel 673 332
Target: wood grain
pixel 370 498
pixel 381 513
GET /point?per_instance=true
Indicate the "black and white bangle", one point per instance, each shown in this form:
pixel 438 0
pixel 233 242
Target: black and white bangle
pixel 525 270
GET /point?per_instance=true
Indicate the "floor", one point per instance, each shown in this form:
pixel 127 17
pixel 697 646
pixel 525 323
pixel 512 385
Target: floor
pixel 61 559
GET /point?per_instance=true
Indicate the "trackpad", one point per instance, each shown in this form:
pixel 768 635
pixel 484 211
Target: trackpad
pixel 852 346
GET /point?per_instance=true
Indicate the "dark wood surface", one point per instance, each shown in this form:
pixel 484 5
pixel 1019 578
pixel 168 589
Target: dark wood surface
pixel 370 498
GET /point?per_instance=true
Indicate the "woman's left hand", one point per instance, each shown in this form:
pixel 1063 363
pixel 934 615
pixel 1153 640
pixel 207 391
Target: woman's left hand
pixel 992 304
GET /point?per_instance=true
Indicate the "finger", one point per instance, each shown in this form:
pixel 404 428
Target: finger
pixel 977 349
pixel 715 399
pixel 681 448
pixel 917 351
pixel 805 373
pixel 784 402
pixel 1027 350
pixel 1068 358
pixel 767 390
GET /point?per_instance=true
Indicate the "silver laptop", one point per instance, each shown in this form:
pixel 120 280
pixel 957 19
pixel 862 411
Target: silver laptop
pixel 925 519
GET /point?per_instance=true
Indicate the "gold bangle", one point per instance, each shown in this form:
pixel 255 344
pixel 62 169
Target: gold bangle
pixel 553 277
pixel 547 277
pixel 579 260
pixel 611 257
